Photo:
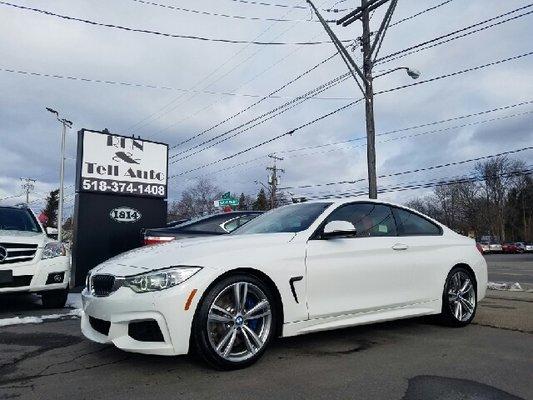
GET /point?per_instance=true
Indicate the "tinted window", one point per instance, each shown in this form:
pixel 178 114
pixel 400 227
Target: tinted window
pixel 293 218
pixel 233 224
pixel 413 224
pixel 209 225
pixel 13 219
pixel 369 219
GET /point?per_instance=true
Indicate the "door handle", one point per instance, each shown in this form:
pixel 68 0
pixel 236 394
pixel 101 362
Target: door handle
pixel 400 246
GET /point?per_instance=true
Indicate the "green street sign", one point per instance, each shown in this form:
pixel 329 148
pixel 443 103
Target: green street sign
pixel 226 195
pixel 228 202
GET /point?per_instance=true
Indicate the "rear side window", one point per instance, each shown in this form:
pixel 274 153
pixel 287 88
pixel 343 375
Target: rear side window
pixel 411 224
pixel 211 225
pixel 369 219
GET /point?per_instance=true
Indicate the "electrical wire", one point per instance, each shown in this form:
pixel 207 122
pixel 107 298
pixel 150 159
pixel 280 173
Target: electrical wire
pixel 213 14
pixel 270 114
pixel 412 171
pixel 288 133
pixel 254 104
pixel 262 3
pixel 419 45
pixel 420 13
pixel 164 34
pixel 149 86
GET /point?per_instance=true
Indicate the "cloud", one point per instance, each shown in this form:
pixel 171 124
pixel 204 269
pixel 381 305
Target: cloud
pixel 29 136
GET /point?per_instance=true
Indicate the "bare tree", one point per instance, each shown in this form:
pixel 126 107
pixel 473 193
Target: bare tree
pixel 195 201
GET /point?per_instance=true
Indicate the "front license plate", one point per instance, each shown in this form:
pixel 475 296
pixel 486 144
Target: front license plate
pixel 6 276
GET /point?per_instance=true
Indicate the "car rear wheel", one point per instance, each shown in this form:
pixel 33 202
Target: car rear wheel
pixel 54 298
pixel 235 322
pixel 459 300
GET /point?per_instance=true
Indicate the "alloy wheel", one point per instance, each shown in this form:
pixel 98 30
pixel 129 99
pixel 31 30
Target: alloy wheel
pixel 239 321
pixel 461 296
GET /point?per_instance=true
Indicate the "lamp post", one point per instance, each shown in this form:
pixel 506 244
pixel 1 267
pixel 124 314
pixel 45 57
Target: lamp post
pixel 66 124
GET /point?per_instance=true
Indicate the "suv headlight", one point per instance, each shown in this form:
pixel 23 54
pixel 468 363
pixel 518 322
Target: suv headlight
pixel 53 249
pixel 161 279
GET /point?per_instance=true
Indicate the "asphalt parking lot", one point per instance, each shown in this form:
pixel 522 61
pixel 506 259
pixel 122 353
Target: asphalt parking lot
pixel 410 359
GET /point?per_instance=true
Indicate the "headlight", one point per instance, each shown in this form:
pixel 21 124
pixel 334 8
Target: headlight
pixel 53 249
pixel 159 280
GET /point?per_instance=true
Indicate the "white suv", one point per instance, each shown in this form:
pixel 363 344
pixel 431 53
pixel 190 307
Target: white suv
pixel 29 260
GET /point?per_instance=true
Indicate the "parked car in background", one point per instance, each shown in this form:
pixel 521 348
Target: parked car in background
pixel 483 247
pixel 29 260
pixel 511 248
pixel 495 247
pixel 217 224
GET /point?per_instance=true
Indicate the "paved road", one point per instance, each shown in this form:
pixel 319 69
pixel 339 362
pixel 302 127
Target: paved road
pixel 511 268
pixel 412 360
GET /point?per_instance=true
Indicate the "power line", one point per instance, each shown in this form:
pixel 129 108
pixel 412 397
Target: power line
pixel 256 103
pixel 412 171
pixel 288 133
pixel 213 14
pixel 420 13
pixel 420 184
pixel 409 128
pixel 407 50
pixel 262 3
pixel 251 56
pixel 149 86
pixel 207 130
pixel 457 73
pixel 159 33
pixel 272 113
pixel 161 112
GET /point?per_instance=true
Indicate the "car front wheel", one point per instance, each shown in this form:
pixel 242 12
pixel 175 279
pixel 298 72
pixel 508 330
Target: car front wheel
pixel 459 300
pixel 234 322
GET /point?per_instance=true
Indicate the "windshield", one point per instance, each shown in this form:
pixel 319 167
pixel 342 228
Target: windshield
pixel 293 218
pixel 14 219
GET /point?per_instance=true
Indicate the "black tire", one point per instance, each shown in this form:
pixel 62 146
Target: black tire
pixel 54 298
pixel 448 314
pixel 200 339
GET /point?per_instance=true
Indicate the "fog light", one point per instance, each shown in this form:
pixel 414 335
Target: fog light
pixel 55 277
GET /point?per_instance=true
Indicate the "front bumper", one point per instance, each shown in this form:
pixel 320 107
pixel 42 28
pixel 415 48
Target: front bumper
pixel 122 307
pixel 37 272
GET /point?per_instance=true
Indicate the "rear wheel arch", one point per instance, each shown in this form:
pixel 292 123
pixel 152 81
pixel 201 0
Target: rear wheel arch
pixel 469 269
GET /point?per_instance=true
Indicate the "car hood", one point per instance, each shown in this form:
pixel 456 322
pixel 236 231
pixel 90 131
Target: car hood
pixel 204 252
pixel 9 236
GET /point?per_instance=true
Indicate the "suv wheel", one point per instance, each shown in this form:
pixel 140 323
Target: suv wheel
pixel 234 322
pixel 54 298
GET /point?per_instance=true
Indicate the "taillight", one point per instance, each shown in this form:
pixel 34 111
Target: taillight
pixel 157 239
pixel 478 246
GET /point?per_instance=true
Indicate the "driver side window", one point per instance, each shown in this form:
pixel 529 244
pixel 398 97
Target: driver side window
pixel 369 219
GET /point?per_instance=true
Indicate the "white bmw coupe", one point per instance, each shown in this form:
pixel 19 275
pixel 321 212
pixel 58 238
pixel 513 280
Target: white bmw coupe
pixel 297 269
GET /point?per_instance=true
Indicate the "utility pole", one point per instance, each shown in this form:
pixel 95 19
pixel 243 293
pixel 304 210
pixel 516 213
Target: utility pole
pixel 273 180
pixel 66 124
pixel 27 186
pixel 370 44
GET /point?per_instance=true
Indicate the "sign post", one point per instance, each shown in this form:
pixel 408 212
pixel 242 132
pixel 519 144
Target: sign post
pixel 121 188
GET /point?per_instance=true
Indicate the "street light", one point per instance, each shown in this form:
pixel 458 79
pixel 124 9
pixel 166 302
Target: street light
pixel 413 73
pixel 66 124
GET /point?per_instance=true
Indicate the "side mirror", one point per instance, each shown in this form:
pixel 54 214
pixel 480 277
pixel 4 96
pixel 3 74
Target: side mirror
pixel 338 229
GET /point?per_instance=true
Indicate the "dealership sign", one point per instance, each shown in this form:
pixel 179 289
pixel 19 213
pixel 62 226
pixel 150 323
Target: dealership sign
pixel 122 165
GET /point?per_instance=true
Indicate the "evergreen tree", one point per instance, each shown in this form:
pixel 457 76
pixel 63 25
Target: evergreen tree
pixel 52 205
pixel 261 203
pixel 242 202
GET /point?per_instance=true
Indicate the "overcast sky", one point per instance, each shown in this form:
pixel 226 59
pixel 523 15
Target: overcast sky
pixel 33 42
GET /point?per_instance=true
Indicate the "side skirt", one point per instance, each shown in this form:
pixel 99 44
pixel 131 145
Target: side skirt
pixel 361 318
